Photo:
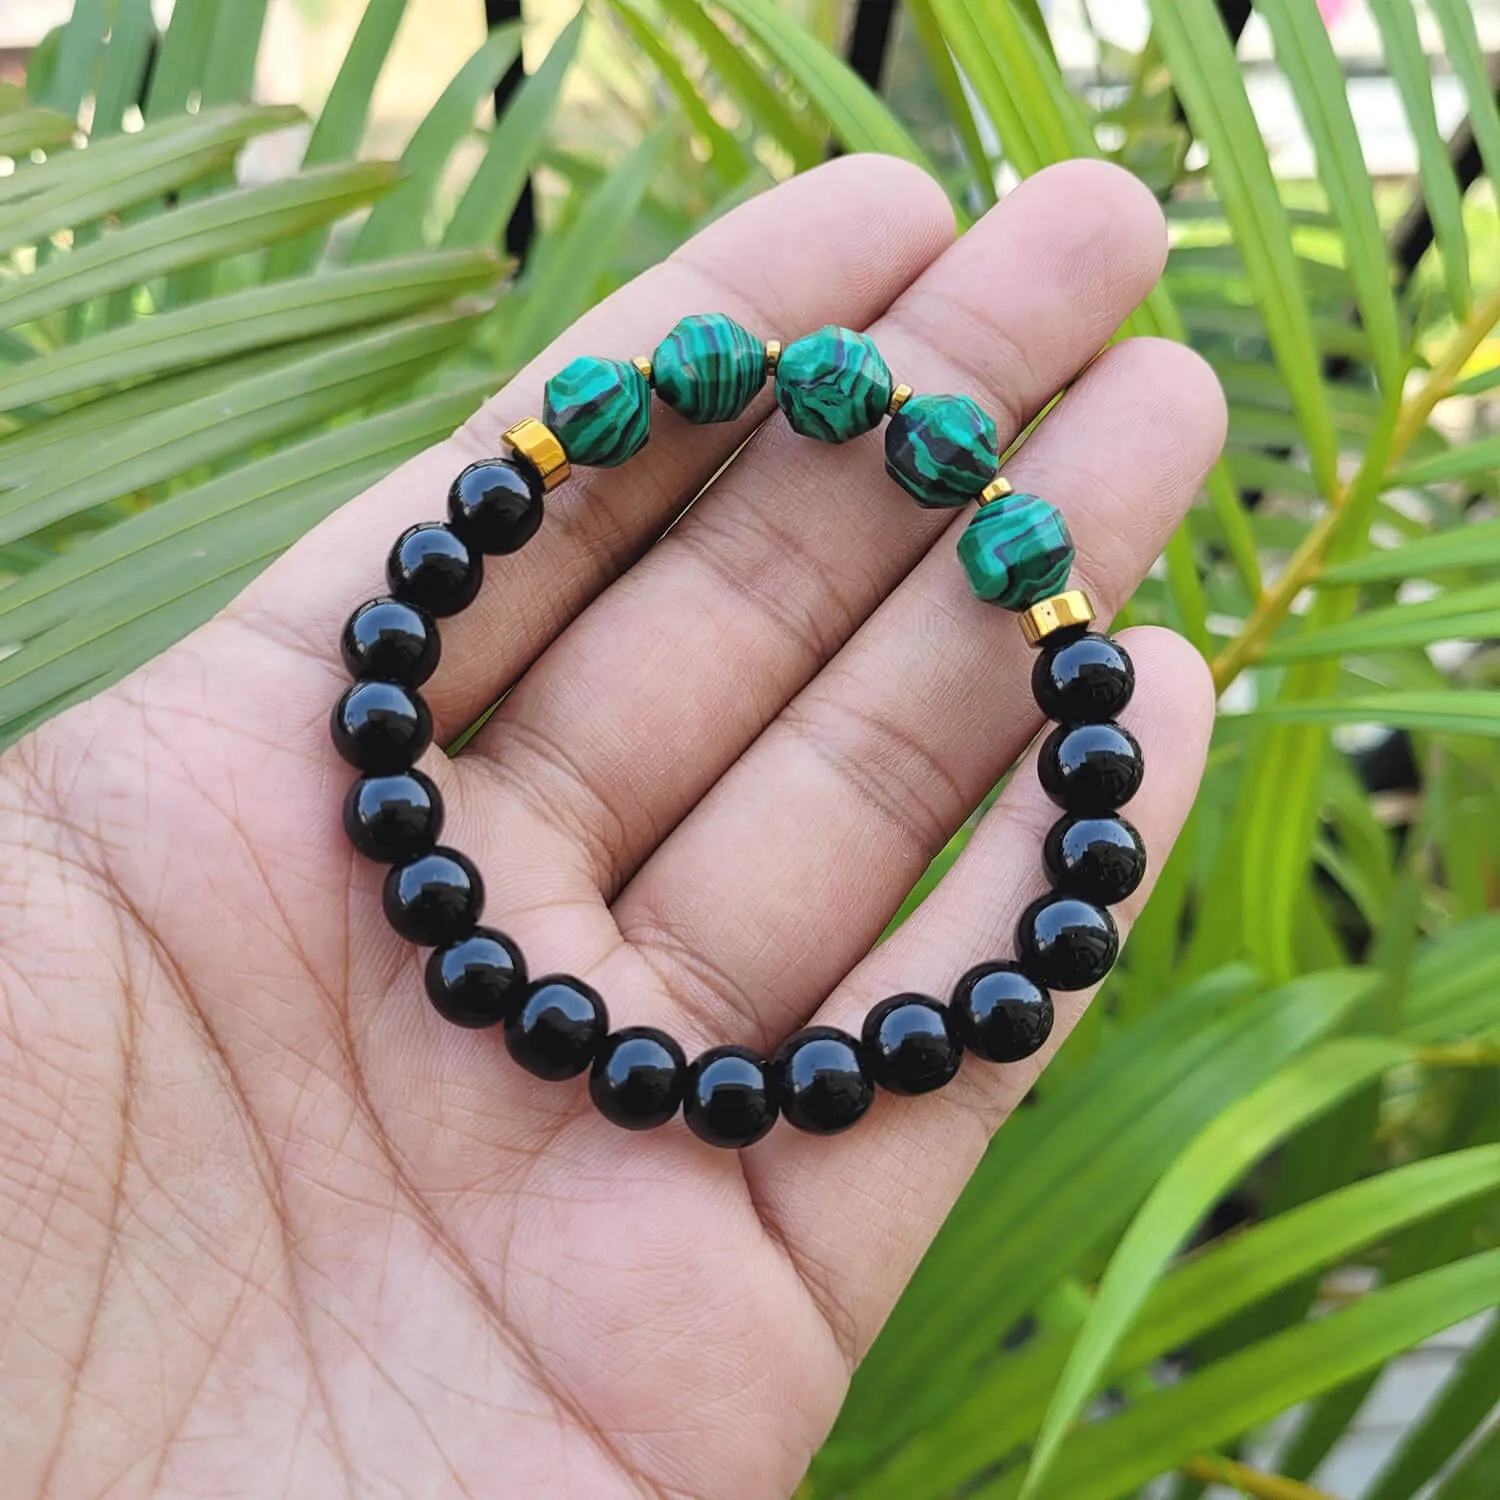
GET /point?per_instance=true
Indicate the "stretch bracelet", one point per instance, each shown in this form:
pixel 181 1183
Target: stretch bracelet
pixel 832 385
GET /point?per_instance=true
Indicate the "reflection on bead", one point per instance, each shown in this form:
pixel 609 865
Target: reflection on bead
pixel 832 385
pixel 477 981
pixel 390 640
pixel 1090 768
pixel 1015 551
pixel 393 818
pixel 600 410
pixel 637 1078
pixel 1100 859
pixel 708 368
pixel 557 1028
pixel 431 567
pixel 380 727
pixel 820 1081
pixel 911 1044
pixel 1085 679
pixel 435 898
pixel 729 1099
pixel 1066 943
pixel 1002 1014
pixel 496 506
pixel 942 450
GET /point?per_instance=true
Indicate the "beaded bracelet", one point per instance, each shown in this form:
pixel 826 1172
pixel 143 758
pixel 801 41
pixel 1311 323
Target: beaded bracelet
pixel 832 385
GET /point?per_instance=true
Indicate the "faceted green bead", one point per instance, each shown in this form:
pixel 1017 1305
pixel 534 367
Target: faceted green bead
pixel 709 368
pixel 1016 551
pixel 942 450
pixel 832 385
pixel 600 410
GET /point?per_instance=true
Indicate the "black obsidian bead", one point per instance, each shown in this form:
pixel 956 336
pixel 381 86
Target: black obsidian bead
pixel 390 640
pixel 432 568
pixel 1089 769
pixel 911 1044
pixel 820 1080
pixel 558 1027
pixel 495 506
pixel 728 1100
pixel 1082 679
pixel 1002 1014
pixel 1065 943
pixel 380 727
pixel 393 818
pixel 1100 859
pixel 435 898
pixel 477 981
pixel 637 1078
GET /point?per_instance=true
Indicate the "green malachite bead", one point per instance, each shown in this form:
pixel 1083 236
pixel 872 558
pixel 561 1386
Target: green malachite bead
pixel 600 410
pixel 832 385
pixel 709 368
pixel 942 450
pixel 1016 551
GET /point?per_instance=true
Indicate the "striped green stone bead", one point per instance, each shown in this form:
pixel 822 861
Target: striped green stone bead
pixel 833 385
pixel 709 368
pixel 600 410
pixel 1016 551
pixel 942 450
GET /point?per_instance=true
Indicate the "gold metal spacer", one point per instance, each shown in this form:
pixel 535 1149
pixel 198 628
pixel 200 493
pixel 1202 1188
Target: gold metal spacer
pixel 535 442
pixel 773 355
pixel 643 365
pixel 899 397
pixel 1061 612
pixel 997 489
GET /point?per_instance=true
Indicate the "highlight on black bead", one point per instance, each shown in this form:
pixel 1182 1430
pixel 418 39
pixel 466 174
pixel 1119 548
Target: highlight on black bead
pixel 496 505
pixel 558 1027
pixel 1002 1013
pixel 380 727
pixel 393 818
pixel 1066 943
pixel 820 1080
pixel 431 566
pixel 435 898
pixel 1082 679
pixel 637 1078
pixel 1089 769
pixel 728 1099
pixel 395 642
pixel 477 980
pixel 1101 859
pixel 911 1044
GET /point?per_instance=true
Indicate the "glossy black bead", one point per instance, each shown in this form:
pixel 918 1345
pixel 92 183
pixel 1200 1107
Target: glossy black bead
pixel 911 1044
pixel 1101 859
pixel 431 567
pixel 728 1100
pixel 477 981
pixel 380 727
pixel 1065 943
pixel 393 818
pixel 495 506
pixel 558 1027
pixel 1002 1013
pixel 820 1080
pixel 638 1077
pixel 435 898
pixel 1082 679
pixel 1088 769
pixel 390 640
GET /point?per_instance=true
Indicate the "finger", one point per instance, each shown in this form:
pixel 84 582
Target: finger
pixel 835 812
pixel 856 1211
pixel 766 577
pixel 866 226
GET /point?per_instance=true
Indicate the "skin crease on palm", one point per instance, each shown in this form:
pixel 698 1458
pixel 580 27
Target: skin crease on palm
pixel 268 1226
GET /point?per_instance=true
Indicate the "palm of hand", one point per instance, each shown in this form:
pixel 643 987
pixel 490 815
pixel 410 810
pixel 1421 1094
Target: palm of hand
pixel 274 1226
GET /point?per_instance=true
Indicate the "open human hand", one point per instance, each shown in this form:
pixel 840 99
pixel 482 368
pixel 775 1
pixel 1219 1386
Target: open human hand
pixel 270 1226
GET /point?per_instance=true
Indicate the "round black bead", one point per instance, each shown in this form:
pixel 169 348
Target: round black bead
pixel 393 641
pixel 1090 768
pixel 495 506
pixel 1082 679
pixel 1067 944
pixel 393 818
pixel 1100 859
pixel 478 980
pixel 638 1077
pixel 728 1098
pixel 1002 1014
pixel 435 898
pixel 557 1028
pixel 820 1080
pixel 911 1044
pixel 432 568
pixel 380 727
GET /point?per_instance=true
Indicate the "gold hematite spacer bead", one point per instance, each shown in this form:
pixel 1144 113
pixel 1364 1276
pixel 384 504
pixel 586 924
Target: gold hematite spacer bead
pixel 997 489
pixel 538 445
pixel 899 397
pixel 773 355
pixel 1061 612
pixel 643 365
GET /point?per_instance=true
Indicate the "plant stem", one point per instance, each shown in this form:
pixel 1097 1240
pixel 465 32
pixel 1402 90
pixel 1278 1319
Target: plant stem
pixel 1215 1470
